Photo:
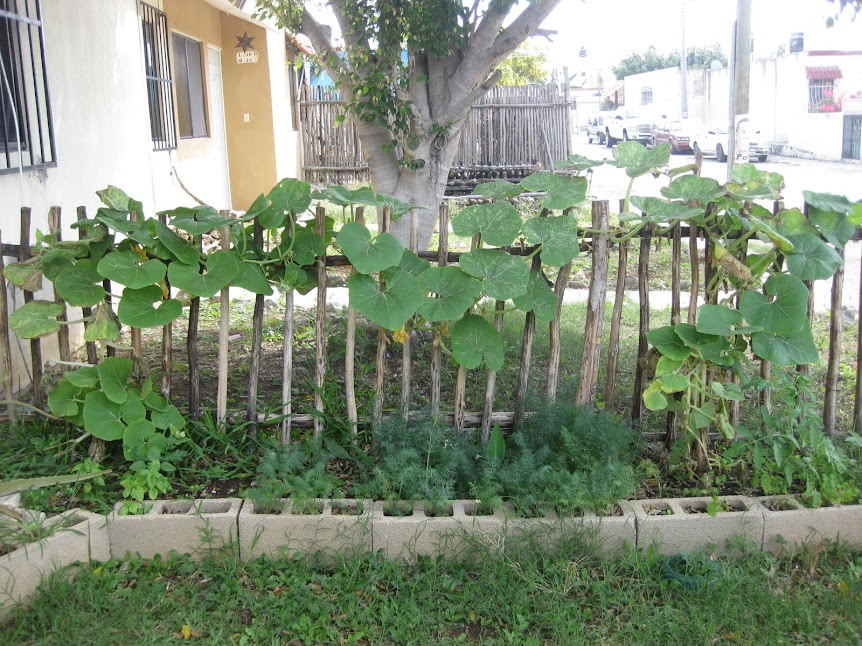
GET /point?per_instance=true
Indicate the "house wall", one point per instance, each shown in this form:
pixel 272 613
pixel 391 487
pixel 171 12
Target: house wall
pixel 667 91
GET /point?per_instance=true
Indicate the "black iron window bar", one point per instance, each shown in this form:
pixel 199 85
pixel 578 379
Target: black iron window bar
pixel 154 25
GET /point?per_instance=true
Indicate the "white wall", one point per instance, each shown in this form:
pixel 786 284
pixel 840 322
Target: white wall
pixel 286 138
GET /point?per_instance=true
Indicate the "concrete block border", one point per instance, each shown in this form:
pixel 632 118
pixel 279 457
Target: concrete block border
pixel 196 527
pixel 82 539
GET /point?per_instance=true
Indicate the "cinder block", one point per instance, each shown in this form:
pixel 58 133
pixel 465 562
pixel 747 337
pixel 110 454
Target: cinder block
pixel 688 526
pixel 195 527
pixel 419 533
pixel 788 525
pixel 23 570
pixel 339 527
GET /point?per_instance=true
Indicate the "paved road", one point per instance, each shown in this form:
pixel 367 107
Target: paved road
pixel 842 178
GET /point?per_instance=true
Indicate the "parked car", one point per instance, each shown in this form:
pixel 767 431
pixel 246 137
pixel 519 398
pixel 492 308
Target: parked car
pixel 628 125
pixel 596 128
pixel 677 133
pixel 712 141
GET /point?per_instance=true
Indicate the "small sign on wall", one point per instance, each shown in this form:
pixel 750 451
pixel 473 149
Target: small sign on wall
pixel 247 57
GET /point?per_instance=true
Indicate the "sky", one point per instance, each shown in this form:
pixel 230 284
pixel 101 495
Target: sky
pixel 610 30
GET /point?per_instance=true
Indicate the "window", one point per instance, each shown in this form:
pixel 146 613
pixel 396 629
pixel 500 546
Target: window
pixel 821 88
pixel 190 87
pixel 154 26
pixel 26 128
pixel 646 96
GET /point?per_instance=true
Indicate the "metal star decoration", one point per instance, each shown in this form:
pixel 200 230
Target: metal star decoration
pixel 244 41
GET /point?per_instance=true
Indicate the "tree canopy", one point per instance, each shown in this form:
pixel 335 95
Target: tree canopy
pixel 409 111
pixel 523 67
pixel 696 57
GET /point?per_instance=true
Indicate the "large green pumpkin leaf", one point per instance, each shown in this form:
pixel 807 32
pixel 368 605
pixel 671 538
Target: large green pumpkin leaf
pixel 539 299
pixel 131 269
pixel 343 196
pixel 197 220
pixel 113 376
pixel 558 237
pixel 55 262
pixel 786 349
pixel 221 268
pixel 637 160
pixel 251 278
pixel 718 319
pixel 653 397
pixel 561 191
pixel 114 198
pixel 498 189
pixel 397 207
pixel 390 307
pixel 133 408
pixel 85 377
pixel 711 347
pixel 35 319
pixel 117 221
pixel 62 399
pixel 367 255
pixel 812 259
pixel 140 438
pixel 181 248
pixel 136 308
pixel 579 162
pixel 786 313
pixel 659 209
pixel 288 196
pixel 170 417
pixel 26 275
pixel 499 223
pixel 835 227
pixel 453 292
pixel 412 263
pixel 691 188
pixel 474 339
pixel 80 285
pixel 828 202
pixel 503 276
pixel 667 342
pixel 104 326
pixel 102 417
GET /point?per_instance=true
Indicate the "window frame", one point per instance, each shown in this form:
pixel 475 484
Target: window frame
pixel 197 103
pixel 158 74
pixel 24 76
pixel 817 89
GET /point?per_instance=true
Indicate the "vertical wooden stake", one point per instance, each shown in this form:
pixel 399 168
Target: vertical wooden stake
pixel 491 379
pixel 320 324
pixel 643 326
pixel 64 347
pixel 857 402
pixel 135 332
pixel 287 374
pixel 384 218
pixel 5 346
pixel 192 352
pixel 460 404
pixel 616 320
pixel 675 314
pixel 406 357
pixel 595 307
pixel 256 346
pixel 836 328
pixel 694 257
pixel 436 352
pixel 86 312
pixel 223 334
pixel 167 341
pixel 555 349
pixel 35 344
pixel 350 353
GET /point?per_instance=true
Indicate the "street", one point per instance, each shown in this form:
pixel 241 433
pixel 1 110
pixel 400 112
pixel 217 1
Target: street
pixel 841 178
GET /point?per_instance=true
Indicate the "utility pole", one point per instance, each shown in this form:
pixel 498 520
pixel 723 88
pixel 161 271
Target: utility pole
pixel 738 136
pixel 683 69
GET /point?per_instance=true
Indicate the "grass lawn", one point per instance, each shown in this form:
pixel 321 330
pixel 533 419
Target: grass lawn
pixel 516 596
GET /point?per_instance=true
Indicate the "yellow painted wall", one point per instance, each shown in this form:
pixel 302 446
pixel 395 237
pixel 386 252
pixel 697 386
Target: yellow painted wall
pixel 251 146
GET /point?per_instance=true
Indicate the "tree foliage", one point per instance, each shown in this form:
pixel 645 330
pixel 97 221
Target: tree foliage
pixel 697 58
pixel 409 110
pixel 524 67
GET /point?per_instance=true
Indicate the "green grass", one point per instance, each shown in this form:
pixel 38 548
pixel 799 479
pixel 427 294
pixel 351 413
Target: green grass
pixel 517 597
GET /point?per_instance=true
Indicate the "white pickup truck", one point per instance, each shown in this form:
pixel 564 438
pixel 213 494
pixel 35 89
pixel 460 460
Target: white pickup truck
pixel 628 125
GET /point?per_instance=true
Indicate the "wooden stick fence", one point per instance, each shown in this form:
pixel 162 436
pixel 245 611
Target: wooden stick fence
pixel 593 337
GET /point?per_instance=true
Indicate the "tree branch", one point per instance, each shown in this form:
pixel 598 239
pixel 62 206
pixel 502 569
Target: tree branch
pixel 524 26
